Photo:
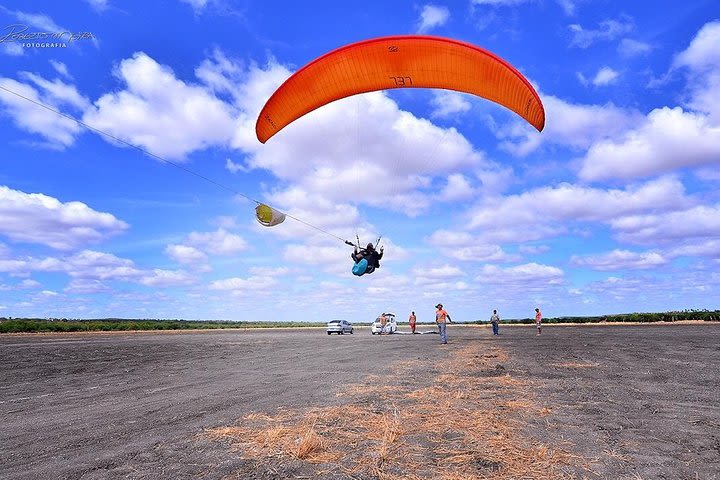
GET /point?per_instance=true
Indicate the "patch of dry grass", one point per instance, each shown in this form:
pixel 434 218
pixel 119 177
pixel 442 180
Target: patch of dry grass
pixel 467 424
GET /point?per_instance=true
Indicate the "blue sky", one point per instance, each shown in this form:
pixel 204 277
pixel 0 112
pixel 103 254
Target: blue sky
pixel 613 208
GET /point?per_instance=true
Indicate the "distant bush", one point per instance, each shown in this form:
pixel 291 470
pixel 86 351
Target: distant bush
pixel 64 325
pixel 704 315
pixel 30 325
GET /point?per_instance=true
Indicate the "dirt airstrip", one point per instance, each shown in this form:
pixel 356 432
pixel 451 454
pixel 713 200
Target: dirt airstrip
pixel 596 402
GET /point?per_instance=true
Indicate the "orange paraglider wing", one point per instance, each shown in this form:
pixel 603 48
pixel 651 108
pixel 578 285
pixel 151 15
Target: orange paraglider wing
pixel 410 61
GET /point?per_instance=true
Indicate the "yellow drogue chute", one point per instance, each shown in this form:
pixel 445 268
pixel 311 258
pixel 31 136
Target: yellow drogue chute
pixel 268 216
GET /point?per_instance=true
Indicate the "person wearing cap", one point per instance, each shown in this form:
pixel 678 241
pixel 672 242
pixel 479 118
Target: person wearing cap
pixel 441 318
pixel 495 320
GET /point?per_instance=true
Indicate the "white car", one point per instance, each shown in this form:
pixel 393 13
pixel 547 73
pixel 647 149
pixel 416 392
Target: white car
pixel 390 325
pixel 339 327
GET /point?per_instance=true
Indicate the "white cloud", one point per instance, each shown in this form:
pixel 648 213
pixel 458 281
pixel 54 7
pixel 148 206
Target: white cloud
pixel 620 260
pixel 702 61
pixel 90 264
pixel 444 272
pixel 432 16
pixel 37 20
pixel 668 140
pixel 219 242
pixel 99 5
pixel 197 5
pixel 91 271
pixel 58 92
pixel 61 68
pixel 186 255
pixel 157 111
pixel 233 167
pixel 529 273
pixel 605 76
pixel 468 248
pixel 86 286
pixel 59 131
pixel 38 218
pixel 708 174
pixel 633 48
pixel 697 248
pixel 681 225
pixel 500 3
pixel 242 285
pixel 458 187
pixel 449 104
pixel 547 211
pixel 703 53
pixel 390 171
pixel 166 278
pixel 533 249
pixel 12 49
pixel 607 30
pixel 574 125
pixel 568 6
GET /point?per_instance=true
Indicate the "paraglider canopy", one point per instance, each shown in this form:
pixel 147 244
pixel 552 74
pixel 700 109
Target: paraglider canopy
pixel 406 61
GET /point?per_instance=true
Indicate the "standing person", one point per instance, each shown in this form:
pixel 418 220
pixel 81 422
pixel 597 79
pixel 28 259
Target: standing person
pixel 413 321
pixel 495 320
pixel 441 318
pixel 383 322
pixel 538 320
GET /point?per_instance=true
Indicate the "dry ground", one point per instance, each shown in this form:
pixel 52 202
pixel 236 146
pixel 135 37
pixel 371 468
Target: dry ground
pixel 635 402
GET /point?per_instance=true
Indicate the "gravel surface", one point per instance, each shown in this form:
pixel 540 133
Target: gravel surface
pixel 631 401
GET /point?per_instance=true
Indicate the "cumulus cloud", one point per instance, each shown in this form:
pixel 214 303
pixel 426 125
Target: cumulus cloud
pixel 39 21
pixel 620 260
pixel 499 3
pixel 444 272
pixel 166 278
pixel 382 156
pixel 633 48
pixel 432 16
pixel 671 138
pixel 91 270
pixel 568 6
pixel 244 285
pixel 701 221
pixel 58 131
pixel 458 187
pixel 219 242
pixel 12 49
pixel 187 255
pixel 574 125
pixel 448 104
pixel 605 76
pixel 158 111
pixel 607 30
pixel 41 219
pixel 99 5
pixel 548 211
pixel 197 5
pixel 468 248
pixel 61 68
pixel 701 60
pixel 529 273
